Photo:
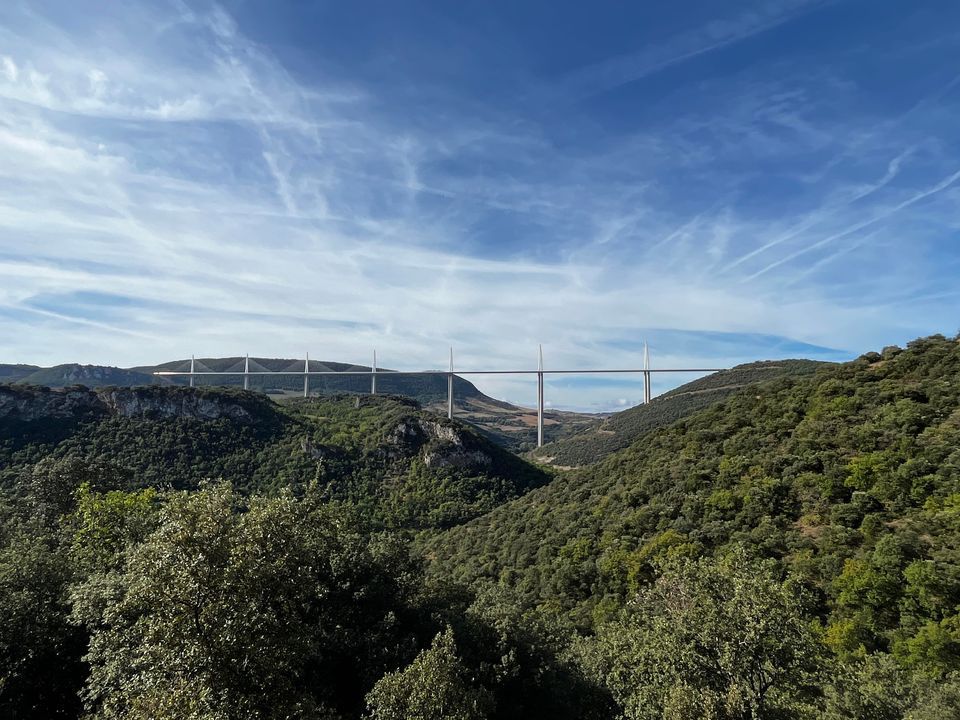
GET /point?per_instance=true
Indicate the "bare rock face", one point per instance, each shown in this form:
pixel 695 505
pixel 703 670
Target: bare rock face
pixel 440 444
pixel 408 434
pixel 415 432
pixel 134 402
pixel 85 374
pixel 457 458
pixel 317 452
pixel 28 403
pixel 443 432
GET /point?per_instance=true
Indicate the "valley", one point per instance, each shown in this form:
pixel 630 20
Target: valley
pixel 668 295
pixel 509 425
pixel 816 499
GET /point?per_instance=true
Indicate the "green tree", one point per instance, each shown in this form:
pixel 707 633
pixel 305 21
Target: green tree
pixel 275 609
pixel 104 524
pixel 708 639
pixel 435 686
pixel 41 671
pixel 50 486
pixel 937 700
pixel 522 657
pixel 876 688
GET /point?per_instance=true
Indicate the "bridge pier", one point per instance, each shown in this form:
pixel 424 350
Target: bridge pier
pixel 646 374
pixel 450 388
pixel 306 376
pixel 540 396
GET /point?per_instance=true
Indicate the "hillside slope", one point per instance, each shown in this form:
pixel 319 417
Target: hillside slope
pixel 851 475
pixel 13 372
pixel 508 425
pixel 403 466
pixel 623 428
pixel 515 427
pixel 90 375
pixel 422 388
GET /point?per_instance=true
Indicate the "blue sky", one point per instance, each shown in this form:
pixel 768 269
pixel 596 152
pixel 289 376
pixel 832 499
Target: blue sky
pixel 731 181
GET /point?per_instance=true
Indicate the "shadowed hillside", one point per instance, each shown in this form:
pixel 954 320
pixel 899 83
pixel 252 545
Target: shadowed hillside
pixel 89 375
pixel 422 388
pixel 403 466
pixel 12 373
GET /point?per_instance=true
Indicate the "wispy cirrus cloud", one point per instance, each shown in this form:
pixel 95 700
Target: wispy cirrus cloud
pixel 216 202
pixel 735 24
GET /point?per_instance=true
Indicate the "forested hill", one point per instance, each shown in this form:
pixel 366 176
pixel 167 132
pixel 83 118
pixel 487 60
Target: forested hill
pixel 70 374
pixel 422 388
pixel 624 428
pixel 14 372
pixel 851 476
pixel 789 553
pixel 425 389
pixel 508 425
pixel 403 466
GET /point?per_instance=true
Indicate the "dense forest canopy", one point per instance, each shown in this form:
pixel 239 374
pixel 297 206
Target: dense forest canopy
pixel 791 551
pixel 622 429
pixel 406 467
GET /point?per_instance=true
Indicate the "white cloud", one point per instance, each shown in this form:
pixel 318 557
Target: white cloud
pixel 98 82
pixel 616 71
pixel 10 71
pixel 227 207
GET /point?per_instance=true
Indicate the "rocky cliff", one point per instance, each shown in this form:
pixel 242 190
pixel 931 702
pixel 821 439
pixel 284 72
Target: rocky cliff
pixel 30 403
pixel 439 443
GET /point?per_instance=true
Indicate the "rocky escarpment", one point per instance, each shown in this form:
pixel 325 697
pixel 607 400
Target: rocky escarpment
pixel 454 457
pixel 31 403
pixel 176 403
pixel 440 444
pixel 37 403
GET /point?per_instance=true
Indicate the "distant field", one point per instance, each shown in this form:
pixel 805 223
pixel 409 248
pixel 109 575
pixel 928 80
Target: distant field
pixel 515 427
